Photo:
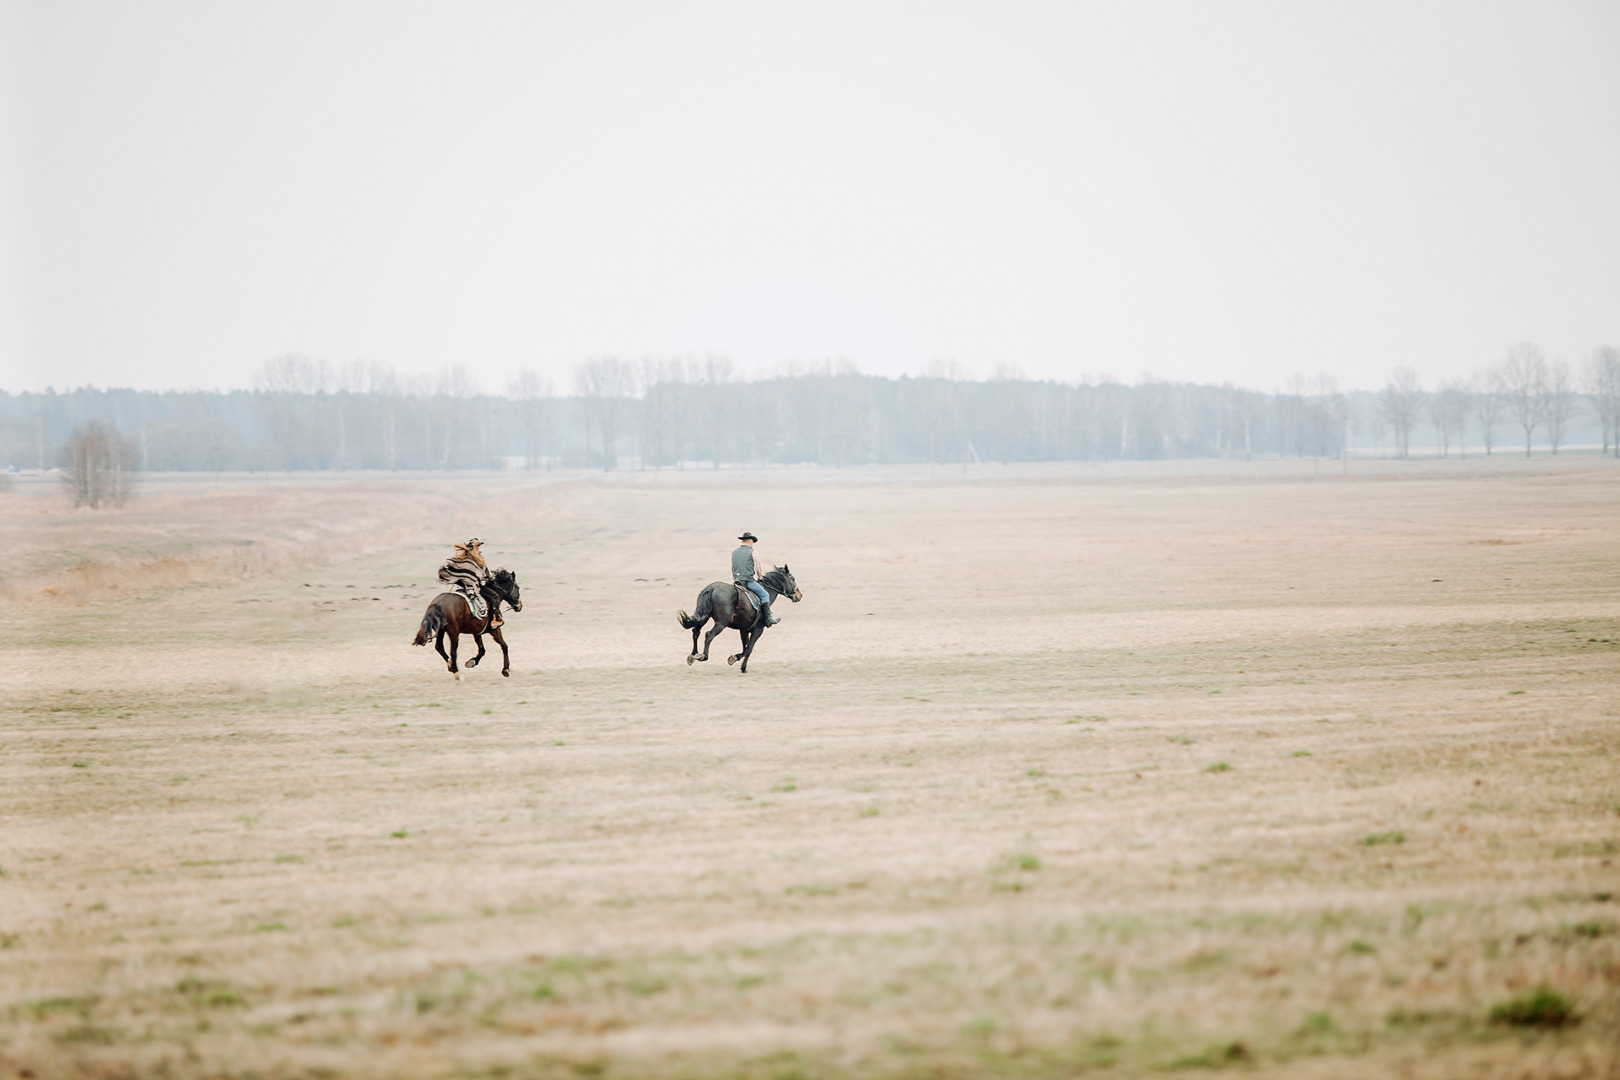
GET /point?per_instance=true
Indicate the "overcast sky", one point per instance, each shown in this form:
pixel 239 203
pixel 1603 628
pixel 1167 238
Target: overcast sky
pixel 1204 191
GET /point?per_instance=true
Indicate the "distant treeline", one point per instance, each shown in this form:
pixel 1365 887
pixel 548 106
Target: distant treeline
pixel 305 414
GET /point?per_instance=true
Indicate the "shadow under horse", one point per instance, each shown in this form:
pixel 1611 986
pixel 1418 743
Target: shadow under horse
pixel 449 613
pixel 732 607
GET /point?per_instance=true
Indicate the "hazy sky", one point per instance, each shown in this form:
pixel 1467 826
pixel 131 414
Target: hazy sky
pixel 1204 191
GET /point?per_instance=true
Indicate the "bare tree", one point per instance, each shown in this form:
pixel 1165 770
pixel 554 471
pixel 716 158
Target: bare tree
pixel 1400 401
pixel 288 388
pixel 1520 377
pixel 1326 413
pixel 1330 418
pixel 1242 403
pixel 531 393
pixel 1448 409
pixel 351 386
pixel 1438 418
pixel 1602 381
pixel 665 401
pixel 99 465
pixel 455 388
pixel 1292 415
pixel 1374 424
pixel 606 385
pixel 1008 392
pixel 1486 403
pixel 1557 402
pixel 386 395
pixel 1344 407
pixel 711 378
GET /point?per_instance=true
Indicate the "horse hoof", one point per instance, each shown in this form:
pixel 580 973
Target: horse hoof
pixel 506 673
pixel 703 659
pixel 730 660
pixel 472 664
pixel 689 660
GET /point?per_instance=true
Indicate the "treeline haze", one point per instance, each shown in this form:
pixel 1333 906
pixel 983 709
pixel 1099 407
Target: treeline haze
pixel 305 414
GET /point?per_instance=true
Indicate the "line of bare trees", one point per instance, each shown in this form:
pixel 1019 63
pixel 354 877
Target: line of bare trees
pixel 689 411
pixel 1523 388
pixel 317 415
pixel 697 410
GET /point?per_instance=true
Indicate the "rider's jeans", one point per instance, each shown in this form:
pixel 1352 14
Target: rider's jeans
pixel 759 592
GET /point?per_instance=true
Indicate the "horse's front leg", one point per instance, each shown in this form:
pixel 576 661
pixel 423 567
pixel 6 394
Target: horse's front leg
pixel 478 639
pixel 506 657
pixel 748 646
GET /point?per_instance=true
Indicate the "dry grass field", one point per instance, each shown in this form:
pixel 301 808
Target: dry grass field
pixel 1056 771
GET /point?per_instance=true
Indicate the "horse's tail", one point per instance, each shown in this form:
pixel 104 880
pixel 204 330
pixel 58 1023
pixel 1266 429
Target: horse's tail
pixel 432 623
pixel 705 608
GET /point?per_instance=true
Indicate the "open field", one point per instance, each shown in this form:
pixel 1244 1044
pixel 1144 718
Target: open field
pixel 1055 771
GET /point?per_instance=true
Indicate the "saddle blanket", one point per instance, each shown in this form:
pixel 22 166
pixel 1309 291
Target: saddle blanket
pixel 475 600
pixel 748 597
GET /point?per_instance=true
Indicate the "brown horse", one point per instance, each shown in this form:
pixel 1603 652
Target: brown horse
pixel 449 613
pixel 734 607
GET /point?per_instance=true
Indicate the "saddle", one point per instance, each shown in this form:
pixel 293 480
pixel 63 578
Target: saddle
pixel 748 601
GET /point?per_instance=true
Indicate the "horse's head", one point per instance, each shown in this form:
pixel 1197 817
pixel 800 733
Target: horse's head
pixel 505 583
pixel 781 579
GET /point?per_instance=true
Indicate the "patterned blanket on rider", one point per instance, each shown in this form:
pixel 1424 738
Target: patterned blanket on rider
pixel 463 575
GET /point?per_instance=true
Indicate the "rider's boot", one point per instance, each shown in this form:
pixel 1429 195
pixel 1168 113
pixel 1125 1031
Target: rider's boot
pixel 770 620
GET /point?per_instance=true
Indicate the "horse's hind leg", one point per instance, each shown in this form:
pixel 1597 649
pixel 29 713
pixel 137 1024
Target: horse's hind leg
pixel 455 640
pixel 708 638
pixel 478 639
pixel 691 656
pixel 439 644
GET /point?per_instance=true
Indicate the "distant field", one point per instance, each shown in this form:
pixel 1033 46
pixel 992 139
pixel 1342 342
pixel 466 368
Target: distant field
pixel 1056 771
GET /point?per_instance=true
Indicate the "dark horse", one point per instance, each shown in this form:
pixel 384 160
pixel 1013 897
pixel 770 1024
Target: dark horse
pixel 733 607
pixel 449 613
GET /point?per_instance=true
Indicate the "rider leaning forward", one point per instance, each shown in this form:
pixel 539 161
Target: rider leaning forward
pixel 745 571
pixel 468 562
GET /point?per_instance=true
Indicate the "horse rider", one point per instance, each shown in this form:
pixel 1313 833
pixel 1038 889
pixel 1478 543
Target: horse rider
pixel 745 571
pixel 468 562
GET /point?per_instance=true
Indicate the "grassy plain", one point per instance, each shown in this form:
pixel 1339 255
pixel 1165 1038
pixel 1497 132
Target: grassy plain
pixel 1055 771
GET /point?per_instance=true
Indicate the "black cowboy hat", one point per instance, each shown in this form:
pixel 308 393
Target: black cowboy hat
pixel 749 536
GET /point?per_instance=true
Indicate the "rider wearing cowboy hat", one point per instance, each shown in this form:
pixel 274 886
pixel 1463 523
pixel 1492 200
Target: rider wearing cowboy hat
pixel 745 571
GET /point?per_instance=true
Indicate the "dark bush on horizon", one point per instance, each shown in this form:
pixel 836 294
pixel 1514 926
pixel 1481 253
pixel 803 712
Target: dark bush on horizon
pixel 99 465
